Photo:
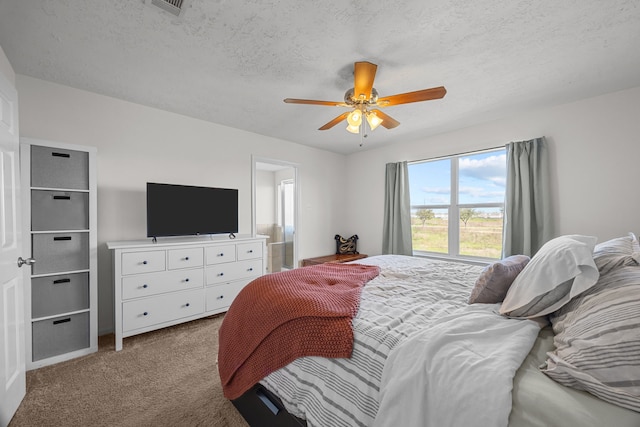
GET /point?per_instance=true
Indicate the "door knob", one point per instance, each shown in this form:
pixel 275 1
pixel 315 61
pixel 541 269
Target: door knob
pixel 28 261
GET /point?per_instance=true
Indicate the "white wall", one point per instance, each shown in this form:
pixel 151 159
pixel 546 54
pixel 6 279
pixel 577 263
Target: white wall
pixel 265 197
pixel 595 164
pixel 6 69
pixel 137 144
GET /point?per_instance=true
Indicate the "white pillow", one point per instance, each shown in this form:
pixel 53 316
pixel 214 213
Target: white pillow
pixel 560 270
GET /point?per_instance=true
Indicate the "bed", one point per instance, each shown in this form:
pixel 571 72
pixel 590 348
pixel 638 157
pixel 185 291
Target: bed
pixel 422 355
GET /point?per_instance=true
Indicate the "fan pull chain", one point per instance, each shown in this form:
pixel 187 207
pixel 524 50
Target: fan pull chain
pixel 363 129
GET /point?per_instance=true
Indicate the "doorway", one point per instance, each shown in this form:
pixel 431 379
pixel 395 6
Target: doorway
pixel 285 222
pixel 275 211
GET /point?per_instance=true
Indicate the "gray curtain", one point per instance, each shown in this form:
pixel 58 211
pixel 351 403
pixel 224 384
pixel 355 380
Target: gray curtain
pixel 528 221
pixel 396 237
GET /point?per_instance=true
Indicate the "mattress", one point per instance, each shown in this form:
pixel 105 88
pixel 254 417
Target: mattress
pixel 538 401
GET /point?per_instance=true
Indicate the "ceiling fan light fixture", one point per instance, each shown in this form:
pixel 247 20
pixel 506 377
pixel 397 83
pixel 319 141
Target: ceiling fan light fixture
pixel 354 118
pixel 373 120
pixel 353 129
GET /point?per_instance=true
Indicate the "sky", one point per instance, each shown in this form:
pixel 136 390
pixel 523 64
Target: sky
pixel 482 179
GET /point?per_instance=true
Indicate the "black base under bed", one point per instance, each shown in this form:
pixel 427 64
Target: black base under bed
pixel 261 408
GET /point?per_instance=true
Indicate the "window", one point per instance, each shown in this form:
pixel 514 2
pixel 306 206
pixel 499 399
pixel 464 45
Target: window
pixel 469 188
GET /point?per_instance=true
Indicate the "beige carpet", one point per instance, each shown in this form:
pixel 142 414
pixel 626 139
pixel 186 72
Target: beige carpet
pixel 162 378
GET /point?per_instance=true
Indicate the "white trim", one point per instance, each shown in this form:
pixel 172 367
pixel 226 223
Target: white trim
pixel 443 257
pixel 297 192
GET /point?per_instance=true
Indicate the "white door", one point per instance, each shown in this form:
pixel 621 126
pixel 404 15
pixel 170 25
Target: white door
pixel 12 356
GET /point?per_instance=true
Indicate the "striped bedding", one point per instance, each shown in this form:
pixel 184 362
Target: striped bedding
pixel 597 339
pixel 408 294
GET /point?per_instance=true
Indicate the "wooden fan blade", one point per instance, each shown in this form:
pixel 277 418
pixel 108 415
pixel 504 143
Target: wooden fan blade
pixel 335 121
pixel 314 102
pixel 363 75
pixel 417 96
pixel 387 121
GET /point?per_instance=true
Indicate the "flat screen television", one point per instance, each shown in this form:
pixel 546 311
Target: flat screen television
pixel 185 210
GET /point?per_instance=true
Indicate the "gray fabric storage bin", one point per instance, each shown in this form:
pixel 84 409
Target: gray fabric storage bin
pixel 58 168
pixel 59 252
pixel 59 210
pixel 60 335
pixel 53 295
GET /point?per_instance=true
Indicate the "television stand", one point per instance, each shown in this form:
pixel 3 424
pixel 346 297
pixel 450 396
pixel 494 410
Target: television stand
pixel 163 284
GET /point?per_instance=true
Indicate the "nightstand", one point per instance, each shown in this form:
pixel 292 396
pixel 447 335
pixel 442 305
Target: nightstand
pixel 334 259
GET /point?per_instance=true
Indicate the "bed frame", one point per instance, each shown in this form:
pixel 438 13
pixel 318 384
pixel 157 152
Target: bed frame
pixel 261 408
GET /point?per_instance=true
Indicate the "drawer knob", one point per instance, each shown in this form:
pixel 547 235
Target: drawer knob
pixel 145 286
pixel 221 254
pixel 186 258
pixel 187 304
pixel 186 280
pixel 250 251
pixel 220 297
pixel 250 269
pixel 144 262
pixel 221 274
pixel 145 313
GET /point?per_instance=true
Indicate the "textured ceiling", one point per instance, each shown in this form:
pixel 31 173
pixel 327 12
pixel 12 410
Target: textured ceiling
pixel 233 61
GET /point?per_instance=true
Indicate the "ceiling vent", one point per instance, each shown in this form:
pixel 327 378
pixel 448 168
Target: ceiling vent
pixel 174 7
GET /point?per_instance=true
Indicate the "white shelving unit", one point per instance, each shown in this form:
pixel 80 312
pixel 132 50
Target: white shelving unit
pixel 61 296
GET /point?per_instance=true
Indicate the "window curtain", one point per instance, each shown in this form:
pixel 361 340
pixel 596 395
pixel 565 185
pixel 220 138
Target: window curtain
pixel 528 221
pixel 396 238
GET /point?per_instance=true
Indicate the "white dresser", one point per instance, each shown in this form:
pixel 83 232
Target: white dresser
pixel 180 279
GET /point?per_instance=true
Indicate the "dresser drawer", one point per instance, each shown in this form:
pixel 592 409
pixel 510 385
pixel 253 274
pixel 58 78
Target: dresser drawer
pixel 52 295
pixel 142 313
pixel 220 254
pixel 184 258
pixel 249 250
pixel 58 252
pixel 229 272
pixel 182 280
pixel 221 296
pixel 143 285
pixel 59 168
pixel 59 210
pixel 143 262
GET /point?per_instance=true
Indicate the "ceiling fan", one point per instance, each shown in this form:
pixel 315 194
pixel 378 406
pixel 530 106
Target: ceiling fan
pixel 363 97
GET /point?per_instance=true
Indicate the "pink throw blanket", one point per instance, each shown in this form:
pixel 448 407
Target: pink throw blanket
pixel 280 317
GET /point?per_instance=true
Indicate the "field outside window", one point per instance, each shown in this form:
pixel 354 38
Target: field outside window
pixel 469 188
